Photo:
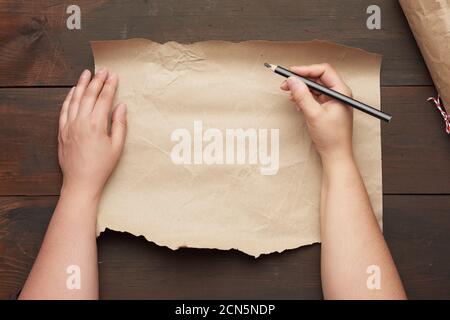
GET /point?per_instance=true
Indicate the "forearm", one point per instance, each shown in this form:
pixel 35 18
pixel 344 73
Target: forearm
pixel 70 242
pixel 351 238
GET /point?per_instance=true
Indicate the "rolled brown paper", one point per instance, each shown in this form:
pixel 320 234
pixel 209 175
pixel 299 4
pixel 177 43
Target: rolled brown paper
pixel 430 23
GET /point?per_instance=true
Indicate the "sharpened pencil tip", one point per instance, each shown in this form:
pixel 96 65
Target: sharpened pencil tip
pixel 267 65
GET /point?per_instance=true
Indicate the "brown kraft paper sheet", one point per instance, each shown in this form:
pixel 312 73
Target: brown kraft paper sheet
pixel 174 183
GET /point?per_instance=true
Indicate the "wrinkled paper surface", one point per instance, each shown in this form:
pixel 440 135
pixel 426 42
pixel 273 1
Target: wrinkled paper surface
pixel 225 85
pixel 430 23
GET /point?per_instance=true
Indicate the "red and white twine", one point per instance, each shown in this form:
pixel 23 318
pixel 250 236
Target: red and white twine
pixel 438 103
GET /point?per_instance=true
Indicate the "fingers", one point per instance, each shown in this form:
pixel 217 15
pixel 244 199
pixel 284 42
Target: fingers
pixel 91 93
pixel 78 94
pixel 319 96
pixel 119 126
pixel 103 105
pixel 327 75
pixel 65 108
pixel 303 97
pixel 284 86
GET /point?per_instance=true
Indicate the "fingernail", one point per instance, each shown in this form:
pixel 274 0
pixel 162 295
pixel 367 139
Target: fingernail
pixel 292 81
pixel 101 70
pixel 85 73
pixel 122 108
pixel 112 76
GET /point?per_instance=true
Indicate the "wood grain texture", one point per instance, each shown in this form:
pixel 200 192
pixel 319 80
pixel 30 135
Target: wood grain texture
pixel 415 147
pixel 36 48
pixel 416 150
pixel 416 228
pixel 28 138
pixel 23 222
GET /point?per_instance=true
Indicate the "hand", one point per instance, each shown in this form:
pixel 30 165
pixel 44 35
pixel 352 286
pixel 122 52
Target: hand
pixel 330 123
pixel 87 152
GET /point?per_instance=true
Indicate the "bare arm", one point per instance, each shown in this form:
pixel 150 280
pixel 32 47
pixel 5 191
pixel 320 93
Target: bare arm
pixel 66 266
pixel 351 238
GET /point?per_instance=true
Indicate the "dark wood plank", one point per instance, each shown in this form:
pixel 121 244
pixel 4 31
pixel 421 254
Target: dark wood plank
pixel 415 147
pixel 417 229
pixel 23 222
pixel 37 48
pixel 416 150
pixel 203 273
pixel 28 137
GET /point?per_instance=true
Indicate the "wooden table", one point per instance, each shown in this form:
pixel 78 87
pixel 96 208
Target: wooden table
pixel 40 59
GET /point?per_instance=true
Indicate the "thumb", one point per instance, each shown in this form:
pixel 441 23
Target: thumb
pixel 119 125
pixel 303 97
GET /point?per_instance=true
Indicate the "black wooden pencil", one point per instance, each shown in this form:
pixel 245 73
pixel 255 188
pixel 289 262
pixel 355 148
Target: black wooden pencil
pixel 332 93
